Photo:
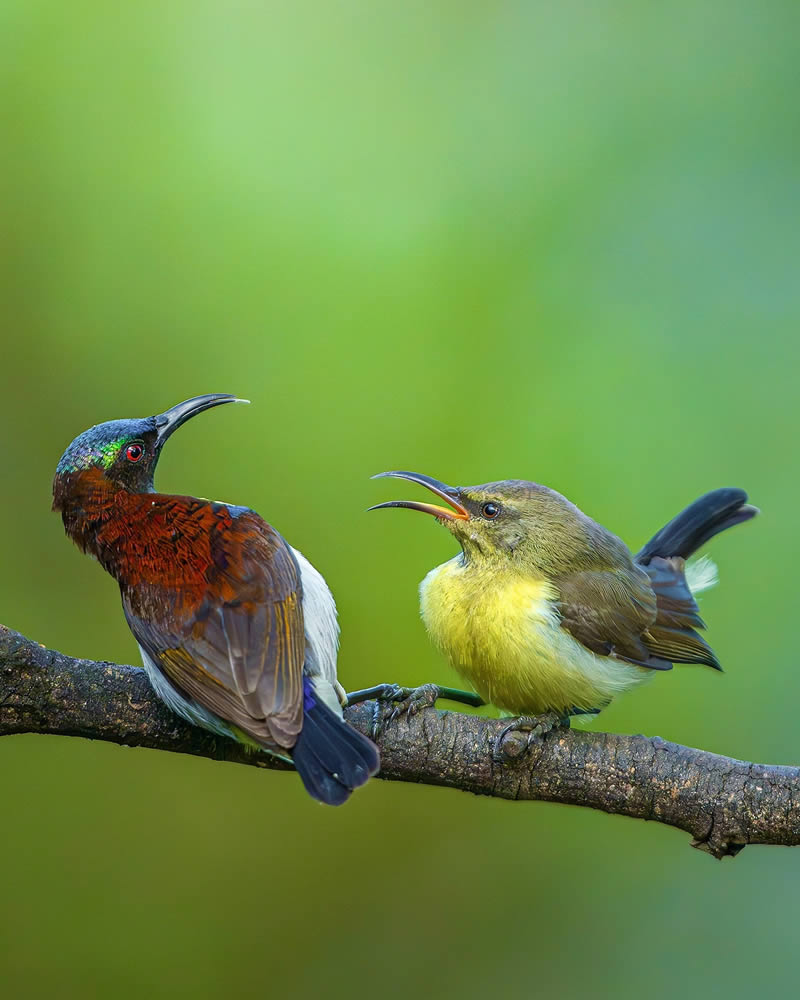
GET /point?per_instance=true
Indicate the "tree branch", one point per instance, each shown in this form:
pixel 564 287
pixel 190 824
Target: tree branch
pixel 723 803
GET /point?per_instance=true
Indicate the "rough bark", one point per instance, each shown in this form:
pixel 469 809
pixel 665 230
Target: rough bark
pixel 723 803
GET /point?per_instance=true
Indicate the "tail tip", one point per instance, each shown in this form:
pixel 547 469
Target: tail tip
pixel 331 757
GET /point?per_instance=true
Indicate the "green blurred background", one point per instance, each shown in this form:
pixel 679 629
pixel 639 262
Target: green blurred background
pixel 480 240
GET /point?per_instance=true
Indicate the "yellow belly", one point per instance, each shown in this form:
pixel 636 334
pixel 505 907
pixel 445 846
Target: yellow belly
pixel 502 633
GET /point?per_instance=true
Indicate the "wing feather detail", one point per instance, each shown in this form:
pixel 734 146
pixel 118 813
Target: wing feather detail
pixel 610 611
pixel 233 641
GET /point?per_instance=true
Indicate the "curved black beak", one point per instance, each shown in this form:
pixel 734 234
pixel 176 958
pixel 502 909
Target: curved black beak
pixel 450 494
pixel 172 419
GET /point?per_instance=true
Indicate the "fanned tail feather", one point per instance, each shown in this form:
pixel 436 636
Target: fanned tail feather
pixel 672 636
pixel 331 757
pixel 692 528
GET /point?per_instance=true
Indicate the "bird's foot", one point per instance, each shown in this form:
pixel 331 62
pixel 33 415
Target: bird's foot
pixel 392 701
pixel 409 701
pixel 379 694
pixel 536 726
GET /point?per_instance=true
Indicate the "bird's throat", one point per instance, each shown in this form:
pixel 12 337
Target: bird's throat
pixel 87 501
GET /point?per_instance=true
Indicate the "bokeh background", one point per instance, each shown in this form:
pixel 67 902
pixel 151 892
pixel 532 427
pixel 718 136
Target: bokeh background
pixel 480 240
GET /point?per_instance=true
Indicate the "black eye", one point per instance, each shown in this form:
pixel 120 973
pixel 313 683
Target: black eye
pixel 134 452
pixel 490 510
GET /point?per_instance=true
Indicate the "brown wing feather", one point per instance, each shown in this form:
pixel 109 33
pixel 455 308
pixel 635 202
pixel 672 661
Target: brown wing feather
pixel 238 648
pixel 610 611
pixel 680 645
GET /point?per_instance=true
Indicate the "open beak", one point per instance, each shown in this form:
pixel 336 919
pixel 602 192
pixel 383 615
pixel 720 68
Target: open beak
pixel 454 512
pixel 168 422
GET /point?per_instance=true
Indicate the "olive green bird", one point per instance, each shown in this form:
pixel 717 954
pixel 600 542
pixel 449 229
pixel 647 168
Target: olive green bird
pixel 544 610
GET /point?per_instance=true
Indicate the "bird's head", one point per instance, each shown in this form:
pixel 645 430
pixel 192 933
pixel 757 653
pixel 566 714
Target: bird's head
pixel 124 453
pixel 512 519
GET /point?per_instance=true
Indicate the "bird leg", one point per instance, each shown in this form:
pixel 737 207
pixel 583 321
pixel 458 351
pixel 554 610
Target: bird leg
pixel 536 726
pixel 380 692
pixel 408 701
pixel 428 694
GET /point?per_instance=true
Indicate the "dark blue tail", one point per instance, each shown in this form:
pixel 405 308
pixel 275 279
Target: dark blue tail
pixel 331 757
pixel 672 637
pixel 706 517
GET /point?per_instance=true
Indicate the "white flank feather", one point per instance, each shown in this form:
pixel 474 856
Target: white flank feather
pixel 701 574
pixel 322 635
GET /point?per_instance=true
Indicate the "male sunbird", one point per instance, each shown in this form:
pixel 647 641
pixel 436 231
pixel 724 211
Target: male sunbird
pixel 237 630
pixel 544 610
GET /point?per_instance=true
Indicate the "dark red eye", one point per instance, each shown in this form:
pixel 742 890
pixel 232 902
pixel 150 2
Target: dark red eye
pixel 134 452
